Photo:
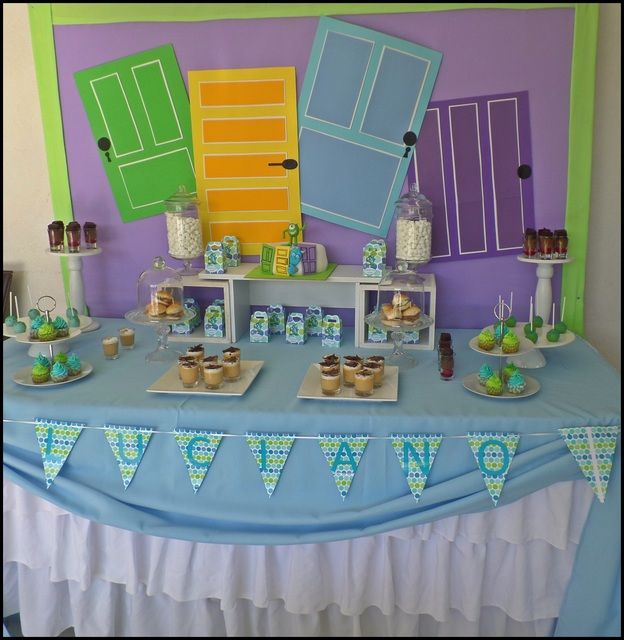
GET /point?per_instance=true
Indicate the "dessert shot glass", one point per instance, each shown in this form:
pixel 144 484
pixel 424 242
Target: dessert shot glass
pixel 330 380
pixel 110 347
pixel 213 375
pixel 364 383
pixel 181 361
pixel 90 235
pixel 446 363
pixel 189 372
pixel 231 369
pixel 379 359
pixel 196 352
pixel 377 370
pixel 73 237
pixel 56 236
pixel 349 369
pixel 126 337
pixel 231 352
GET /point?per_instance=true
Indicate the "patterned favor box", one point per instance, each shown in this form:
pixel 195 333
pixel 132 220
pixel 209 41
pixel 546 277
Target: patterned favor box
pixel 332 331
pixel 259 327
pixel 277 319
pixel 231 251
pixel 377 335
pixel 214 261
pixel 187 327
pixel 374 258
pixel 295 328
pixel 411 337
pixel 314 320
pixel 213 321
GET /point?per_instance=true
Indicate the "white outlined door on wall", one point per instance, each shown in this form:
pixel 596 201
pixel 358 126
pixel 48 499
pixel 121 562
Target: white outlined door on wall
pixel 138 110
pixel 244 124
pixel 362 103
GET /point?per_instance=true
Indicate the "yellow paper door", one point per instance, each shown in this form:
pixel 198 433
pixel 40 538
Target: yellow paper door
pixel 244 124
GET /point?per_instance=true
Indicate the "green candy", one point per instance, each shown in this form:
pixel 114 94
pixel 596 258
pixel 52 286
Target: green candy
pixel 538 322
pixel 531 335
pixel 552 336
pixel 511 321
pixel 561 327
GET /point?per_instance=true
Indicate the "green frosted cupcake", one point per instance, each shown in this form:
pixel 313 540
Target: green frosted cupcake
pixel 511 343
pixel 508 371
pixel 494 385
pixel 47 332
pixel 486 340
pixel 40 373
pixel 61 357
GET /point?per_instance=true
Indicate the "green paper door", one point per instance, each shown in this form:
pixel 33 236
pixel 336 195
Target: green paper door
pixel 138 110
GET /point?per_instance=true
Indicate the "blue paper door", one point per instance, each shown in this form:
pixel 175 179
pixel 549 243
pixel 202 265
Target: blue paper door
pixel 362 104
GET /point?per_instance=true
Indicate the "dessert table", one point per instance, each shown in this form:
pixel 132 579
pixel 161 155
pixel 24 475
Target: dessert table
pixel 544 561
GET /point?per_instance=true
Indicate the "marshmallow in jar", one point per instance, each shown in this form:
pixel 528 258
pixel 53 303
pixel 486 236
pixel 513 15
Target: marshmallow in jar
pixel 413 229
pixel 184 238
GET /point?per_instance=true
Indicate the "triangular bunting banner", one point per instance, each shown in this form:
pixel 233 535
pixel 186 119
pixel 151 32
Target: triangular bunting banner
pixel 270 451
pixel 416 453
pixel 593 448
pixel 198 449
pixel 56 439
pixel 343 453
pixel 128 444
pixel 493 453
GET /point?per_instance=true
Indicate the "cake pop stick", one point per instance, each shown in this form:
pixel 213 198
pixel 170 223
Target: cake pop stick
pixel 30 296
pixel 10 303
pixel 531 313
pixel 562 309
pixel 553 314
pixel 16 308
pixel 511 303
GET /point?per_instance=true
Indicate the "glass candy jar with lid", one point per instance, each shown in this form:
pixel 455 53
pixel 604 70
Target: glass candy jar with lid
pixel 184 239
pixel 414 214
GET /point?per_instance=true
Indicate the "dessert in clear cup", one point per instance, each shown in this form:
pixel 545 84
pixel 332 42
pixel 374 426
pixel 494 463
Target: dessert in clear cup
pixel 364 383
pixel 349 369
pixel 330 380
pixel 377 369
pixel 213 375
pixel 189 373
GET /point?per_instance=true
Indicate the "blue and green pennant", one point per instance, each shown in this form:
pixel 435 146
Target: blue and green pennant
pixel 593 449
pixel 128 444
pixel 270 451
pixel 493 453
pixel 56 439
pixel 416 453
pixel 343 453
pixel 198 450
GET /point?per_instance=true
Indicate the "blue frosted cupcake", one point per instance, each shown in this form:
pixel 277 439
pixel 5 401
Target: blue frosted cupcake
pixel 74 366
pixel 516 383
pixel 59 372
pixel 62 329
pixel 42 360
pixel 484 374
pixel 35 325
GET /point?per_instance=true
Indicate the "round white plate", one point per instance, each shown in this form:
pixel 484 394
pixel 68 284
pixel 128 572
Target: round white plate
pixel 471 382
pixel 544 261
pixel 23 376
pixel 25 337
pixel 525 346
pixel 542 342
pixel 85 324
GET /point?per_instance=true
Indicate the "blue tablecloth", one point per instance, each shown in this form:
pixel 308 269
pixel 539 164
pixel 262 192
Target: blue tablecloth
pixel 578 388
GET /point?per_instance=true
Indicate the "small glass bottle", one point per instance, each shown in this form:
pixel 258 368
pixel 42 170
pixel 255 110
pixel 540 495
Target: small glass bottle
pixel 56 236
pixel 73 237
pixel 529 244
pixel 560 243
pixel 414 214
pixel 446 363
pixel 90 235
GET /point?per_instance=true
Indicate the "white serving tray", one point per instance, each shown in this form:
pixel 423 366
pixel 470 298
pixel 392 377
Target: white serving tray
pixel 23 377
pixel 388 392
pixel 471 382
pixel 170 382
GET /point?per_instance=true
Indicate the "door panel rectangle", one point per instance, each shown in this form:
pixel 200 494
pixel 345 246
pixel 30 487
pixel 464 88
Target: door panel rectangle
pixel 244 165
pixel 241 93
pixel 250 232
pixel 247 200
pixel 223 130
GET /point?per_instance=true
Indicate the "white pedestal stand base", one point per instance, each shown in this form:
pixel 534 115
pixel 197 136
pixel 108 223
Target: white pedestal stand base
pixel 543 290
pixel 533 359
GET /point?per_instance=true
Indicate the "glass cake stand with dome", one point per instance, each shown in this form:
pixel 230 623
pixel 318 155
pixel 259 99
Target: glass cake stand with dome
pixel 160 294
pixel 400 287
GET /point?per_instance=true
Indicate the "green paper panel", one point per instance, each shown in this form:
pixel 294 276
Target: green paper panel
pixel 139 114
pixel 257 273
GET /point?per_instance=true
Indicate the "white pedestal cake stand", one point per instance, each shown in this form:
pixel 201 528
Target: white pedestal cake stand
pixel 543 291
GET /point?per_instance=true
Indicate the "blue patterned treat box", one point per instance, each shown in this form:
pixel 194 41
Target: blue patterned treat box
pixel 377 335
pixel 231 250
pixel 186 327
pixel 411 337
pixel 277 319
pixel 314 320
pixel 213 321
pixel 332 331
pixel 374 258
pixel 295 328
pixel 214 260
pixel 259 327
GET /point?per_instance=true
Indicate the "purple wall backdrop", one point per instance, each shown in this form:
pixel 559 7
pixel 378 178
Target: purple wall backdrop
pixel 485 52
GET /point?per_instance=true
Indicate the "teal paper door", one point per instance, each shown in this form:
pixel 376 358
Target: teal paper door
pixel 139 114
pixel 362 104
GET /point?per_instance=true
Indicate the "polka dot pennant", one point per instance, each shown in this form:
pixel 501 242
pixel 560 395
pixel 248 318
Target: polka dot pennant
pixel 198 449
pixel 270 451
pixel 593 449
pixel 493 453
pixel 343 453
pixel 128 445
pixel 56 439
pixel 416 453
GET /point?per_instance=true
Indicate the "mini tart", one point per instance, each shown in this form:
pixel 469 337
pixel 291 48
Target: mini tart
pixel 412 312
pixel 389 312
pixel 155 309
pixel 401 301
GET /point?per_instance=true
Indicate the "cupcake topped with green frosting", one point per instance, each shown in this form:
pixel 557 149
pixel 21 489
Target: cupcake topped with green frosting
pixel 508 371
pixel 40 373
pixel 510 343
pixel 494 385
pixel 47 332
pixel 42 360
pixel 486 340
pixel 485 371
pixel 73 364
pixel 516 383
pixel 60 357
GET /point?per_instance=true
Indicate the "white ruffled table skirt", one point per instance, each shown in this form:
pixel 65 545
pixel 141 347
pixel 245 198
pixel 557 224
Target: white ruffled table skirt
pixel 503 572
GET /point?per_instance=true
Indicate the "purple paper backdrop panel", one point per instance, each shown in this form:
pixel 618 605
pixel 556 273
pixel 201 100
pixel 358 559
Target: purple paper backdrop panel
pixel 509 51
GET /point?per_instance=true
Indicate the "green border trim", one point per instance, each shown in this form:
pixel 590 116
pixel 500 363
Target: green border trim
pixel 580 141
pixel 44 53
pixel 582 89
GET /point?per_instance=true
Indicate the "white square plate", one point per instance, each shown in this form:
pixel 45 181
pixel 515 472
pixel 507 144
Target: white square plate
pixel 171 383
pixel 388 392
